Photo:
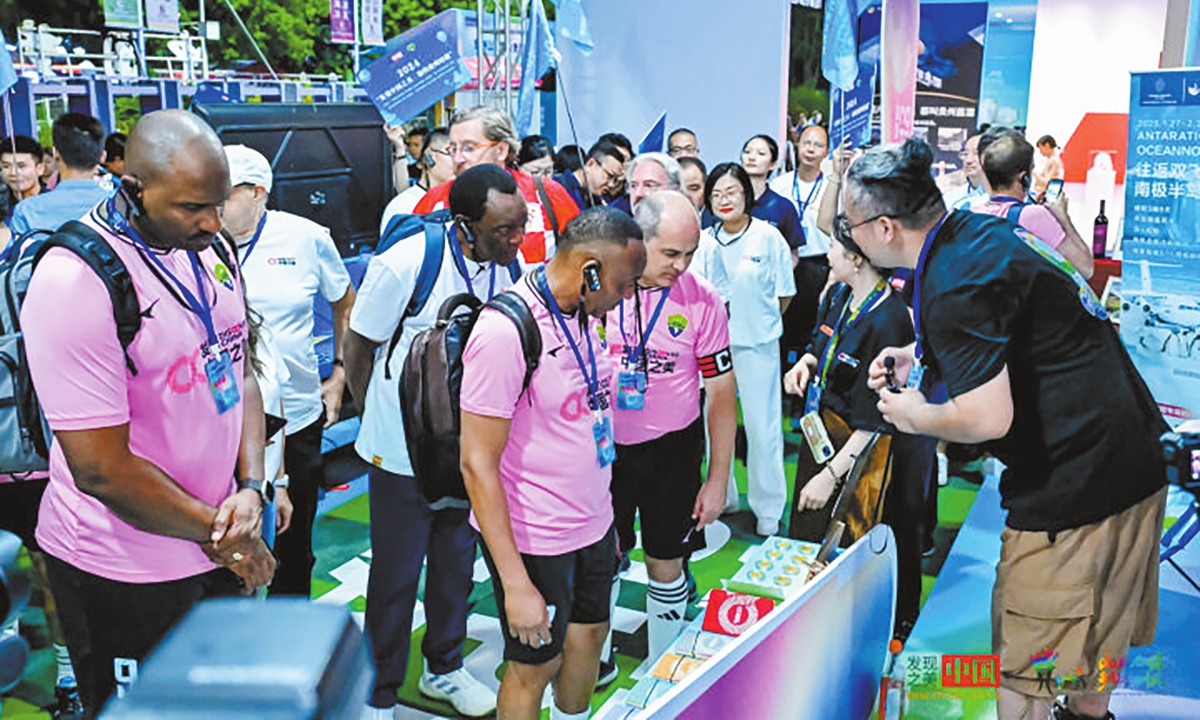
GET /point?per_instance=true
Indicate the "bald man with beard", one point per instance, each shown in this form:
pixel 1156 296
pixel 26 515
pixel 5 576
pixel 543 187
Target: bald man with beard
pixel 156 472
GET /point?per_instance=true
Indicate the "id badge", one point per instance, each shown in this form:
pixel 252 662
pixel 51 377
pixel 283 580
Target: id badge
pixel 606 447
pixel 817 438
pixel 915 376
pixel 221 382
pixel 631 390
pixel 812 401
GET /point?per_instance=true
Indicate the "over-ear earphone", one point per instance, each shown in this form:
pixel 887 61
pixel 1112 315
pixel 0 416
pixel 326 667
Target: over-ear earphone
pixel 591 277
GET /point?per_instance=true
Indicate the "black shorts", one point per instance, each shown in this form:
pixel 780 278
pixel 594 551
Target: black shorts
pixel 660 478
pixel 20 501
pixel 578 584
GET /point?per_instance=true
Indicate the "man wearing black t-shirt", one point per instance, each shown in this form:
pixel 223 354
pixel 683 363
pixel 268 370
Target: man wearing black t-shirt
pixel 1036 372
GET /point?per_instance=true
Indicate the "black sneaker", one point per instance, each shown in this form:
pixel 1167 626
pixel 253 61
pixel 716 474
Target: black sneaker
pixel 67 705
pixel 608 673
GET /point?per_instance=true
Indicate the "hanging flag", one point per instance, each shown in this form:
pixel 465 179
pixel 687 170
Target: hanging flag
pixel 342 22
pixel 656 137
pixel 573 25
pixel 839 57
pixel 538 55
pixel 8 74
pixel 162 15
pixel 372 22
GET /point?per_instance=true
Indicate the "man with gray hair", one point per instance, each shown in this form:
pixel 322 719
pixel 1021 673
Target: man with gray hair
pixel 484 135
pixel 648 173
pixel 1022 345
pixel 674 329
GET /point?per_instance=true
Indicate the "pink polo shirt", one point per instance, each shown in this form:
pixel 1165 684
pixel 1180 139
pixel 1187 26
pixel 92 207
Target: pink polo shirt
pixel 558 498
pixel 689 340
pixel 83 383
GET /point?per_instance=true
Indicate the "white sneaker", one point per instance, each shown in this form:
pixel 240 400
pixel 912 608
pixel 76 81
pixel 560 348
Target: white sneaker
pixel 468 696
pixel 374 713
pixel 767 528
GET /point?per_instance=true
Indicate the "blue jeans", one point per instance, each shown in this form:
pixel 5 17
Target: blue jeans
pixel 404 532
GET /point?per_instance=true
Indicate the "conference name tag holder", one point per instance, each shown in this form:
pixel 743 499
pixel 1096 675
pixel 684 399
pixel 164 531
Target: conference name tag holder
pixel 606 445
pixel 631 390
pixel 219 370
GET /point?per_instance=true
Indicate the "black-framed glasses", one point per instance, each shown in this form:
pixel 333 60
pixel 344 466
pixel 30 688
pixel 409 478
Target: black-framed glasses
pixel 843 227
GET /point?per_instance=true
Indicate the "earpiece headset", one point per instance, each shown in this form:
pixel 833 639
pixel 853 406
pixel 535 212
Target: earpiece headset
pixel 134 193
pixel 591 277
pixel 466 228
pixel 429 160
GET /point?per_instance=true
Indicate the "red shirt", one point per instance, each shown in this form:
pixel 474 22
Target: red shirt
pixel 539 231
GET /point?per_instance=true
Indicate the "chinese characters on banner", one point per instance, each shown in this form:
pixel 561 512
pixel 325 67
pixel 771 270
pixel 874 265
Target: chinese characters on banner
pixel 417 69
pixel 162 15
pixel 372 22
pixel 948 75
pixel 1160 276
pixel 342 21
pixel 123 13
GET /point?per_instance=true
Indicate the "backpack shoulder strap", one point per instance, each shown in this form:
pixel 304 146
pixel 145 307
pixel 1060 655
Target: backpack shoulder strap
pixel 92 248
pixel 431 267
pixel 1013 214
pixel 544 198
pixel 514 307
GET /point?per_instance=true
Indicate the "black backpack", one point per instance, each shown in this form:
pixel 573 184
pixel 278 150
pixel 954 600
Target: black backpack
pixel 430 385
pixel 24 434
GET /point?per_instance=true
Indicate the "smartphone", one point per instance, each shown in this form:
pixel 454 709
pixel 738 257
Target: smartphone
pixel 1054 190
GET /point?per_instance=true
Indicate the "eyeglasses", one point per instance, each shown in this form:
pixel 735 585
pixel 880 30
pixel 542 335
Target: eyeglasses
pixel 734 194
pixel 616 177
pixel 447 152
pixel 649 185
pixel 675 150
pixel 469 148
pixel 843 227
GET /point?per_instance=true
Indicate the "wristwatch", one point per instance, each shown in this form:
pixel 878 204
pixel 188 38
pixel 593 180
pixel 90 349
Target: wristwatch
pixel 265 490
pixel 282 482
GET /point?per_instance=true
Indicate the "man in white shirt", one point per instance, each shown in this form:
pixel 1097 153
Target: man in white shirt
pixel 805 187
pixel 484 237
pixel 976 192
pixel 437 167
pixel 287 260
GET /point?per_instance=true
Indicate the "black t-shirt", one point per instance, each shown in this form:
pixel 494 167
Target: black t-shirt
pixel 1084 438
pixel 886 324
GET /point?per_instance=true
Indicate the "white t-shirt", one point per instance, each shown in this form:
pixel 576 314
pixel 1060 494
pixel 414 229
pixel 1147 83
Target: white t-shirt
pixel 386 290
pixel 806 196
pixel 751 271
pixel 402 204
pixel 292 261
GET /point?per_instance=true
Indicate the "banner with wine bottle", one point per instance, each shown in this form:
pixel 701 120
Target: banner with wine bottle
pixel 1160 274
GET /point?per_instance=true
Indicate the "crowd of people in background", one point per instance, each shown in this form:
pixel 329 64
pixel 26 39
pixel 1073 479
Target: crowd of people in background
pixel 666 289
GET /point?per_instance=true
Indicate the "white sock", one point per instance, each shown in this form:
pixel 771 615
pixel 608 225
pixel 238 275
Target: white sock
pixel 606 651
pixel 62 658
pixel 666 606
pixel 556 714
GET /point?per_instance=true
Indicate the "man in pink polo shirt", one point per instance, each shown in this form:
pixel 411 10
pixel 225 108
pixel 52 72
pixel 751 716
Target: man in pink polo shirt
pixel 156 478
pixel 537 464
pixel 1007 160
pixel 675 332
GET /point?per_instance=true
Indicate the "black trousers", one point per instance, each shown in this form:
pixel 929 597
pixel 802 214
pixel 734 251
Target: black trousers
pixel 913 459
pixel 800 319
pixel 105 620
pixel 305 467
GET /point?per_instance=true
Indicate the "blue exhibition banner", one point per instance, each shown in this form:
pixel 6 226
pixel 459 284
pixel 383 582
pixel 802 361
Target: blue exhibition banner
pixel 1160 278
pixel 851 111
pixel 416 70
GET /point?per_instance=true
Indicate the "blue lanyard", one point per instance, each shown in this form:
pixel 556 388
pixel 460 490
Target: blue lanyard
pixel 848 319
pixel 592 381
pixel 262 223
pixel 916 302
pixel 635 354
pixel 803 207
pixel 460 262
pixel 201 306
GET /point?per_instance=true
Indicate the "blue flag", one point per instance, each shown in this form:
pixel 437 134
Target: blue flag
pixel 573 25
pixel 537 57
pixel 654 139
pixel 8 74
pixel 839 57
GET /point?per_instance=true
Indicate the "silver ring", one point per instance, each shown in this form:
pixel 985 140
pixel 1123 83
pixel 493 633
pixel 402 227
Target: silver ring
pixel 238 557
